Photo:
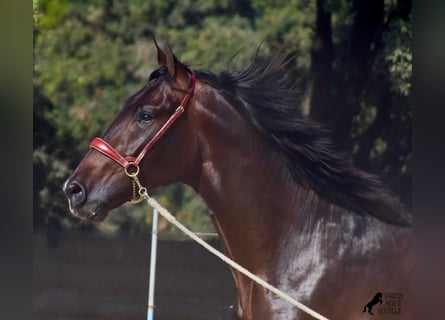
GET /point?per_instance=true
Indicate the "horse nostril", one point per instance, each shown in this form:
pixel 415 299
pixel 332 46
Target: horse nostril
pixel 75 193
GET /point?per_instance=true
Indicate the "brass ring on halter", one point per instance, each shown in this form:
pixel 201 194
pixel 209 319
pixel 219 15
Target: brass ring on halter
pixel 142 191
pixel 132 174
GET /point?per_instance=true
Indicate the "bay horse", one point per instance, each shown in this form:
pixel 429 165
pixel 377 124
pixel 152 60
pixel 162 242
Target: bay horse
pixel 286 206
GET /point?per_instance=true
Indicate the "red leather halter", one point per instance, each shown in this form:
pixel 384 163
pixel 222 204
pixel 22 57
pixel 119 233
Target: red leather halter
pixel 131 164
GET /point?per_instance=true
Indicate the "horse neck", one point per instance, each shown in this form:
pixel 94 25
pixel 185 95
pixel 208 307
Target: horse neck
pixel 245 184
pixel 266 221
pixel 255 202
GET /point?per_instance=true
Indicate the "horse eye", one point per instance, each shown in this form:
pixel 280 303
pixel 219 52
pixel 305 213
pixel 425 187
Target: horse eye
pixel 145 116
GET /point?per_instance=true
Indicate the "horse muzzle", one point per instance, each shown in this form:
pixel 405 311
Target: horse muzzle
pixel 77 197
pixel 75 193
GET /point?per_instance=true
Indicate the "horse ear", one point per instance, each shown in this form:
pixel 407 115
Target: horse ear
pixel 162 58
pixel 171 62
pixel 176 69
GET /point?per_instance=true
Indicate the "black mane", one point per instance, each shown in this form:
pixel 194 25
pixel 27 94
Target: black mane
pixel 271 102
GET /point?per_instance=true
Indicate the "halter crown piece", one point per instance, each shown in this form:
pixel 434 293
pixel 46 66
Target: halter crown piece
pixel 131 164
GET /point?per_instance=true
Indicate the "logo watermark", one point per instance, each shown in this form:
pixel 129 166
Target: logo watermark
pixel 385 303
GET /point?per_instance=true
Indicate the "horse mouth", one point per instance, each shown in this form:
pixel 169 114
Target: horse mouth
pixel 93 214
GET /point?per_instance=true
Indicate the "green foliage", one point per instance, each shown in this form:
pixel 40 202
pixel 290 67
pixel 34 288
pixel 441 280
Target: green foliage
pixel 91 55
pixel 398 56
pixel 49 13
pixel 287 26
pixel 86 75
pixel 210 47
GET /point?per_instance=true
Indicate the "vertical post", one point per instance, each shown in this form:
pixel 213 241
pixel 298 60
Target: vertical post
pixel 154 245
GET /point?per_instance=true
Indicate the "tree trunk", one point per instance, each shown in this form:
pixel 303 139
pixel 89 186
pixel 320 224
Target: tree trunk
pixel 321 65
pixel 346 105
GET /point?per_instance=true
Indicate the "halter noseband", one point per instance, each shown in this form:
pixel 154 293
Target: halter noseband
pixel 131 164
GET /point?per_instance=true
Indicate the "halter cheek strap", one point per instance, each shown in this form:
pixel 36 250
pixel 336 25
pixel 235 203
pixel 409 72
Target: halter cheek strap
pixel 131 164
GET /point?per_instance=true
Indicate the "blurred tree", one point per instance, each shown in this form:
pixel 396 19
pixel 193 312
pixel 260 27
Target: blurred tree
pixel 360 83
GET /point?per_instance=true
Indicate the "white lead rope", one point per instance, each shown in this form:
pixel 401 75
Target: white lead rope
pixel 167 215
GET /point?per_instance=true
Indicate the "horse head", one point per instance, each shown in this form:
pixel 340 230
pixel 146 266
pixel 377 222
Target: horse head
pixel 100 183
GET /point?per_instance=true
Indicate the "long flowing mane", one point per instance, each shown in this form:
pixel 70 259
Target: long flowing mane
pixel 271 101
